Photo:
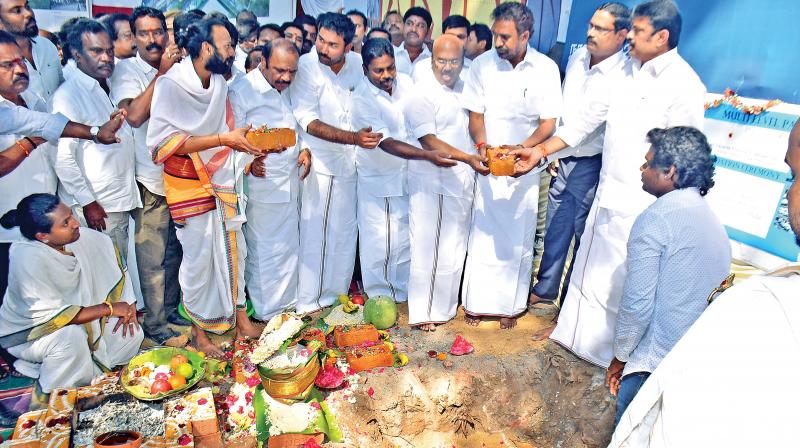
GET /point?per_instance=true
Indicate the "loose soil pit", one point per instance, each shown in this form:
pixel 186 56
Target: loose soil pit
pixel 510 392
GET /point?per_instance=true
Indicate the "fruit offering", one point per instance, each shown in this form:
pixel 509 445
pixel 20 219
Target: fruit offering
pixel 160 372
pixel 380 311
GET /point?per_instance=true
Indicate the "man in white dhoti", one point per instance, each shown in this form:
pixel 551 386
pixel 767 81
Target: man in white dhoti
pixel 273 194
pixel 513 95
pixel 658 89
pixel 441 198
pixel 97 180
pixel 378 102
pixel 322 99
pixel 699 395
pixel 69 312
pixel 191 132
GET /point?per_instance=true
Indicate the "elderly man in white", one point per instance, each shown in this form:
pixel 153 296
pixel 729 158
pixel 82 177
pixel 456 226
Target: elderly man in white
pixel 513 94
pixel 97 180
pixel 273 208
pixel 322 98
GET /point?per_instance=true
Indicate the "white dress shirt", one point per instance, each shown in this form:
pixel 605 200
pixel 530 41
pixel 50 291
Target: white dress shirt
pixel 30 123
pixel 318 93
pixel 586 91
pixel 46 77
pixel 436 110
pixel 513 99
pixel 254 101
pixel 423 71
pixel 34 175
pixel 131 77
pixel 69 68
pixel 403 61
pixel 381 173
pixel 240 58
pixel 89 171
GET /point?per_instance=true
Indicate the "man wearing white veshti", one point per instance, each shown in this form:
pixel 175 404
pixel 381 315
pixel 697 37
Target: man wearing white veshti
pixel 273 200
pixel 69 312
pixel 513 95
pixel 191 132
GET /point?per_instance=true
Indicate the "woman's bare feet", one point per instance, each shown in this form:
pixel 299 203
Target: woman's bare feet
pixel 244 327
pixel 428 327
pixel 507 323
pixel 202 343
pixel 472 320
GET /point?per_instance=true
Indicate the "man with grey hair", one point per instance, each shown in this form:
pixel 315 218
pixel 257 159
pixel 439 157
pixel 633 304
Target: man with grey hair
pixel 513 95
pixel 590 70
pixel 678 252
pixel 658 89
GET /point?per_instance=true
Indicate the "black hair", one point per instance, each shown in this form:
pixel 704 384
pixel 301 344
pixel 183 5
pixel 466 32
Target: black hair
pixel 266 49
pixel 197 11
pixel 62 34
pixel 81 27
pixel 687 149
pixel 52 37
pixel 146 11
pixel 180 27
pixel 455 21
pixel 31 215
pixel 246 28
pixel 248 61
pixel 375 48
pixel 305 19
pixel 663 15
pixel 621 13
pixel 419 12
pixel 377 30
pixel 111 19
pixel 292 25
pixel 339 24
pixel 482 33
pixel 7 38
pixel 250 16
pixel 355 12
pixel 520 14
pixel 200 32
pixel 270 26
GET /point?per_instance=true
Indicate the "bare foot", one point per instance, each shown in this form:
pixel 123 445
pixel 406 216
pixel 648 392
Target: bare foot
pixel 533 299
pixel 544 333
pixel 203 344
pixel 244 327
pixel 429 327
pixel 507 323
pixel 472 320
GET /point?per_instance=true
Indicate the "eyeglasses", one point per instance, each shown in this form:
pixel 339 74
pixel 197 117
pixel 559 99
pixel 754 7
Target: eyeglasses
pixel 591 26
pixel 451 62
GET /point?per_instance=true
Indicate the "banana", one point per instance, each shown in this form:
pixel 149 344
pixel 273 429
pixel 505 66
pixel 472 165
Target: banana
pixel 349 307
pixel 344 298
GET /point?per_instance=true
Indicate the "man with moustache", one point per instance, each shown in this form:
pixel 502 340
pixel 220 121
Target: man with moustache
pixel 360 22
pixel 514 98
pixel 273 216
pixel 118 26
pixel 393 24
pixel 309 27
pixel 440 197
pixel 322 98
pixel 204 160
pixel 687 400
pixel 41 56
pixel 96 180
pixel 658 89
pixel 590 72
pixel 268 33
pixel 158 252
pixel 416 27
pixel 458 27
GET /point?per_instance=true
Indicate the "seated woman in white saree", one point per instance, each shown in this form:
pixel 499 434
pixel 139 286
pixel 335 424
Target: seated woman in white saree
pixel 69 312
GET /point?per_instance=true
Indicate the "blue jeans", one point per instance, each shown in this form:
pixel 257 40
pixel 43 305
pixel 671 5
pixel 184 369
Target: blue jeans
pixel 569 200
pixel 628 389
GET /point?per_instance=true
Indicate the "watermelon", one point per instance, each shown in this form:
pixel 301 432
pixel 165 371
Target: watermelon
pixel 380 311
pixel 461 346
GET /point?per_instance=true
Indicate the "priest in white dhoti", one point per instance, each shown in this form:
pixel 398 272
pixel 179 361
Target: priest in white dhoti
pixel 658 89
pixel 440 208
pixel 69 312
pixel 382 193
pixel 704 392
pixel 321 95
pixel 513 95
pixel 191 132
pixel 273 186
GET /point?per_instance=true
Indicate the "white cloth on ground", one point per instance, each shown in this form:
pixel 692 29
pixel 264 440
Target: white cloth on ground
pixel 37 309
pixel 663 92
pixel 34 175
pixel 698 397
pixel 500 251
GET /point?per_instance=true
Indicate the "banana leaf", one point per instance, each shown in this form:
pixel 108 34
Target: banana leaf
pixel 325 423
pixel 159 356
